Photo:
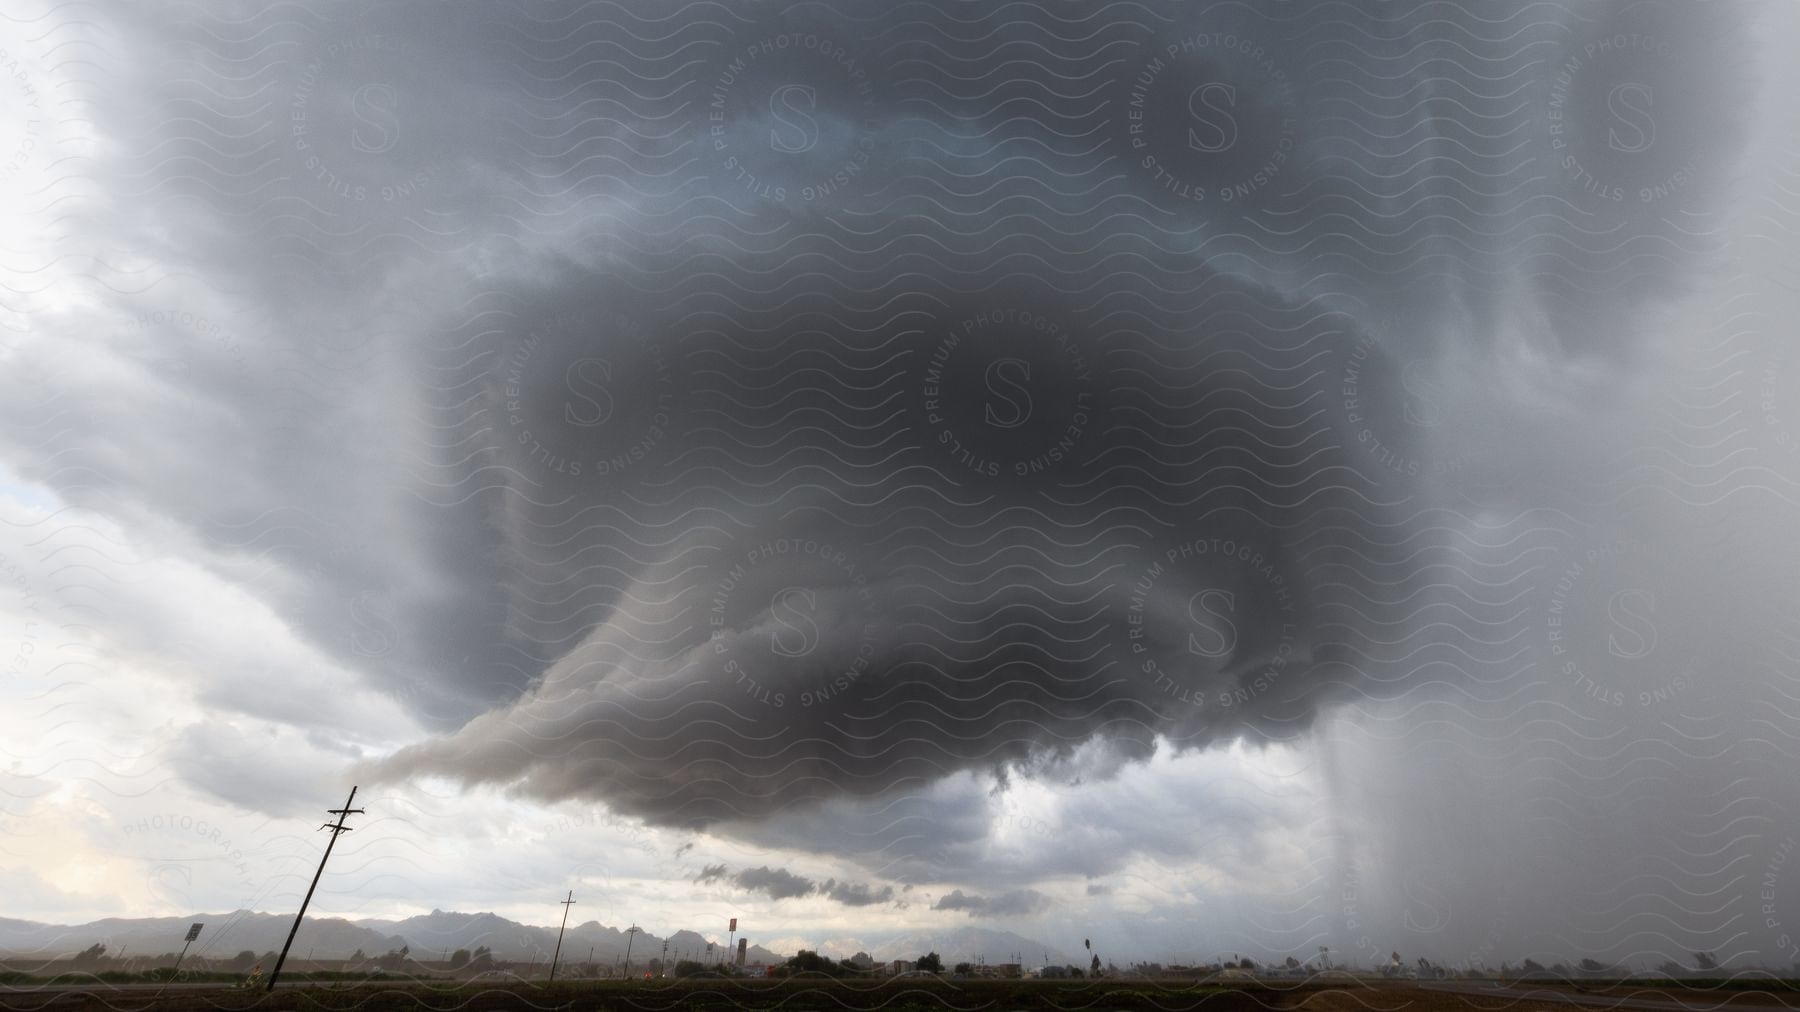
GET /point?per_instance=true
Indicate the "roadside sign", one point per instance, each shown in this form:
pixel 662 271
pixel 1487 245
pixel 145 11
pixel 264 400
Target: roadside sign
pixel 194 931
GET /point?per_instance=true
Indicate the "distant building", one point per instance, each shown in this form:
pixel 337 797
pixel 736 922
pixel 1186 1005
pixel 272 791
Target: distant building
pixel 862 961
pixel 900 966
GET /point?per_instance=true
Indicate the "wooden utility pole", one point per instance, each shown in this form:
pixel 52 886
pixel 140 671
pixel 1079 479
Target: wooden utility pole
pixel 559 934
pixel 336 828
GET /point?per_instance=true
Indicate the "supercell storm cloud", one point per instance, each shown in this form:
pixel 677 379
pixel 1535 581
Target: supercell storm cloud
pixel 1331 464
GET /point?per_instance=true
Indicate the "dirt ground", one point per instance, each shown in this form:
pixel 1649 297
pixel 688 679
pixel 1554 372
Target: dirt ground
pixel 1408 998
pixel 1744 993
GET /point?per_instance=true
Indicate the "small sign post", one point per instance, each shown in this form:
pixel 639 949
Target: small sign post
pixel 193 933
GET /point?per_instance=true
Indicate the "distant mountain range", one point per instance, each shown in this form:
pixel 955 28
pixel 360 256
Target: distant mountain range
pixel 957 945
pixel 428 936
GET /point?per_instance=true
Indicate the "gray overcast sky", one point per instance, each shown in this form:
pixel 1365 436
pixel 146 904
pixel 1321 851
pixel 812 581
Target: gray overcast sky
pixel 1228 477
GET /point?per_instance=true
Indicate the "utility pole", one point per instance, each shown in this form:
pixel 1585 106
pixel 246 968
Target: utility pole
pixel 336 828
pixel 630 936
pixel 559 934
pixel 663 967
pixel 590 962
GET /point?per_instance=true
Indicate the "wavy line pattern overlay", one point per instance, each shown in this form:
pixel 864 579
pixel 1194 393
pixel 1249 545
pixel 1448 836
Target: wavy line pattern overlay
pixel 1307 481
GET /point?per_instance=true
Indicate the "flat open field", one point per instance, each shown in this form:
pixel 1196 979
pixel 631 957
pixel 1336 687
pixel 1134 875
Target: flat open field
pixel 1726 993
pixel 792 996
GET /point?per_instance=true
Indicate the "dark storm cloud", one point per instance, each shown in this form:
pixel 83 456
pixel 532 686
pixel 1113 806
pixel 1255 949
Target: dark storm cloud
pixel 730 412
pixel 857 546
pixel 781 884
pixel 1016 903
pixel 826 509
pixel 466 645
pixel 777 883
pixel 856 894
